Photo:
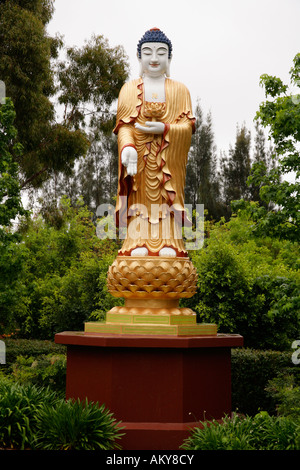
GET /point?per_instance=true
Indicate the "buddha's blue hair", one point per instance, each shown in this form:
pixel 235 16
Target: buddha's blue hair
pixel 154 35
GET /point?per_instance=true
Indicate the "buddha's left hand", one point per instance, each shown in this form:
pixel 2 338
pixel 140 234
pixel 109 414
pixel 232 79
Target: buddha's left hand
pixel 152 127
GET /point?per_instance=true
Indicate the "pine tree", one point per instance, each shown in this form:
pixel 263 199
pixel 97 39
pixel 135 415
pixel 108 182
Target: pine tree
pixel 235 169
pixel 263 158
pixel 202 186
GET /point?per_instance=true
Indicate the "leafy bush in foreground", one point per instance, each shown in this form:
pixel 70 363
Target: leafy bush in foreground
pixel 18 408
pixel 76 426
pixel 261 432
pixel 35 418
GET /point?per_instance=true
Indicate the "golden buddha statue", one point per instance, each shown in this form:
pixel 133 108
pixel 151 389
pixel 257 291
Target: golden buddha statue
pixel 154 128
pixel 152 270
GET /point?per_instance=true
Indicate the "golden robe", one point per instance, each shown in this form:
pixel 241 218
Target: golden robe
pixel 161 167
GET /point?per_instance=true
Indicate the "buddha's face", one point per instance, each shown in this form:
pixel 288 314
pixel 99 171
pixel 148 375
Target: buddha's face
pixel 154 59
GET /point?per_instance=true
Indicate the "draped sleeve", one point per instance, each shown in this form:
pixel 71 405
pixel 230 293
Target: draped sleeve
pixel 129 103
pixel 129 106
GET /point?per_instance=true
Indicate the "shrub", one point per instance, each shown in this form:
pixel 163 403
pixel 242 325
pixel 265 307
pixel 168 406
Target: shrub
pixel 248 285
pixel 29 348
pixel 18 408
pixel 251 372
pixel 76 426
pixel 261 432
pixel 36 418
pixel 65 274
pixel 78 296
pixel 43 371
pixel 285 390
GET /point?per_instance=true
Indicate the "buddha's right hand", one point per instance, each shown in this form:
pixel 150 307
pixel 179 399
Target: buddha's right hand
pixel 129 159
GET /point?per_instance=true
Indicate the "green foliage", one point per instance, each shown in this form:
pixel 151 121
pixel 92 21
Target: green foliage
pixel 13 257
pixel 252 370
pixel 281 115
pixel 95 177
pixel 248 285
pixel 285 390
pixel 202 186
pixel 76 426
pixel 33 75
pixel 261 432
pixel 12 253
pixel 19 406
pixel 25 52
pixel 92 75
pixel 43 371
pixel 235 168
pixel 65 272
pixel 10 197
pixel 36 418
pixel 29 348
pixel 89 82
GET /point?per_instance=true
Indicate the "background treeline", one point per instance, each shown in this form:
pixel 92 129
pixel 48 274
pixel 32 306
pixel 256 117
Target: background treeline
pixel 217 179
pixel 64 99
pixel 58 150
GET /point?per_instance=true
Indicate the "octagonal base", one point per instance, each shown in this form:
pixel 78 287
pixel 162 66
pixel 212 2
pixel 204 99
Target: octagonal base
pixel 159 387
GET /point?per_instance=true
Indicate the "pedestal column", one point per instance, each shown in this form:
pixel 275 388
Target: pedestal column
pixel 158 386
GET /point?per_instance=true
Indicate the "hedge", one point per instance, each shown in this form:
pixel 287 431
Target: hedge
pixel 251 370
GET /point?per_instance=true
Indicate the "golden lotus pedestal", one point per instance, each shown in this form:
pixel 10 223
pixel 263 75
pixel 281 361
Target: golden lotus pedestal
pixel 146 361
pixel 152 287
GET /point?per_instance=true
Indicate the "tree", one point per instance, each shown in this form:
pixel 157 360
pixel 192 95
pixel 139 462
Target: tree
pixel 97 174
pixel 10 195
pixel 90 80
pixel 235 168
pixel 281 115
pixel 202 186
pixel 33 75
pixel 12 253
pixel 94 179
pixel 26 52
pixel 263 158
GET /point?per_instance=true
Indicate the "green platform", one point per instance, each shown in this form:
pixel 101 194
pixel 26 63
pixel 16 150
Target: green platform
pixel 156 324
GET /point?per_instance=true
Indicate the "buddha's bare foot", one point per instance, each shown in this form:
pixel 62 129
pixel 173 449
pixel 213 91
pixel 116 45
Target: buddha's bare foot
pixel 139 252
pixel 166 251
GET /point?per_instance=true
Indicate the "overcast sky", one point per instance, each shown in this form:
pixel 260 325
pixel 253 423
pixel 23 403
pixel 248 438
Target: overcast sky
pixel 220 47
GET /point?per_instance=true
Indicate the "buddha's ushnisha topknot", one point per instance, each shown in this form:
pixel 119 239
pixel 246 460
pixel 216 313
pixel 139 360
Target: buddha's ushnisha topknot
pixel 154 35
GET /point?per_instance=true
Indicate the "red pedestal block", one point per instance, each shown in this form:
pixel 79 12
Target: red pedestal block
pixel 158 386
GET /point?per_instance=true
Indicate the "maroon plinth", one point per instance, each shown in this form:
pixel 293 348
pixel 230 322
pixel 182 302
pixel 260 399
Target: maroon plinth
pixel 158 386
